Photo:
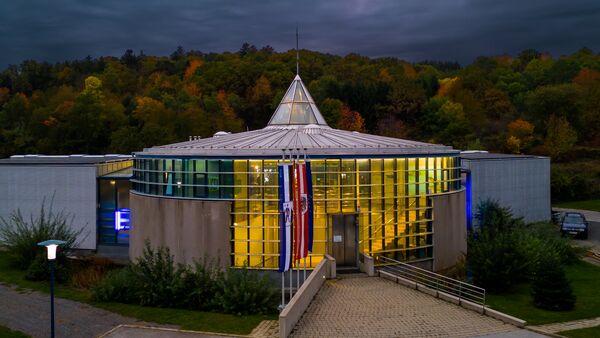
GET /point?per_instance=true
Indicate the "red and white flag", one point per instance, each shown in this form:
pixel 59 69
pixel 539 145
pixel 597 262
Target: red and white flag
pixel 301 214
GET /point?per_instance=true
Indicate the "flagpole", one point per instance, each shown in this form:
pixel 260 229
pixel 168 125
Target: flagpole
pixel 300 207
pixel 282 290
pixel 304 279
pixel 292 252
pixel 280 250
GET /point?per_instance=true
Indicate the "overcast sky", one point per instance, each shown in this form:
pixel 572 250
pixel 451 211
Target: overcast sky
pixel 56 30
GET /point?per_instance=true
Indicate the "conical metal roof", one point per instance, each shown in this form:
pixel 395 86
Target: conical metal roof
pixel 297 107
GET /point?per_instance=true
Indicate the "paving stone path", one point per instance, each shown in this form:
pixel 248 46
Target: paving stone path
pixel 374 307
pixel 567 326
pixel 29 312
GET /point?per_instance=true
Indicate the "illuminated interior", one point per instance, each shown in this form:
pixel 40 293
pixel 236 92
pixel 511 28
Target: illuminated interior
pixel 389 196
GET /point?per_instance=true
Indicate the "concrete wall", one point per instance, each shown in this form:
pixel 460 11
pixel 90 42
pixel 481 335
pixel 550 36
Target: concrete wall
pixel 449 230
pixel 74 189
pixel 521 183
pixel 192 229
pixel 293 311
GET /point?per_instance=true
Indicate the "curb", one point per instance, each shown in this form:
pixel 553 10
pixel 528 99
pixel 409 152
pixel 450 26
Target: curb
pixel 166 329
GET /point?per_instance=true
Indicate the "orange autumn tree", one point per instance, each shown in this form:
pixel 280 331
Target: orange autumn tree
pixel 193 65
pixel 229 121
pixel 519 136
pixel 587 77
pixel 351 120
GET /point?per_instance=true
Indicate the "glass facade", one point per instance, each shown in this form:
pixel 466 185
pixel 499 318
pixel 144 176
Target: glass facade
pixel 391 198
pixel 113 194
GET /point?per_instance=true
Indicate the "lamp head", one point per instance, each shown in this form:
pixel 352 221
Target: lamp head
pixel 51 246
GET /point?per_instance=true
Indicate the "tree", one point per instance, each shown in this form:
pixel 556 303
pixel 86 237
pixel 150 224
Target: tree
pixel 587 77
pixel 229 120
pixel 247 49
pixel 445 122
pixel 178 53
pixel 405 101
pixel 258 109
pixel 331 109
pixel 551 289
pixel 520 135
pixel 351 120
pixel 560 136
pixel 560 100
pixel 193 65
pixel 392 127
pixel 535 71
pixel 527 55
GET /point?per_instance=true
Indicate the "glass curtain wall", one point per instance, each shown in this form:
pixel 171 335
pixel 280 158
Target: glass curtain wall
pixel 391 198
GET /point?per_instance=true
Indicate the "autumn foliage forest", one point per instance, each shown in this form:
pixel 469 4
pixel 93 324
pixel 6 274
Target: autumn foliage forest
pixel 530 103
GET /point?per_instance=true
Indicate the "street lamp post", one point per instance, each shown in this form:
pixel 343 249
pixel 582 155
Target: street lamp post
pixel 51 246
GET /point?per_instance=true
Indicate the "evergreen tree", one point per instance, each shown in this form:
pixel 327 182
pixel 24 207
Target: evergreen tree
pixel 551 289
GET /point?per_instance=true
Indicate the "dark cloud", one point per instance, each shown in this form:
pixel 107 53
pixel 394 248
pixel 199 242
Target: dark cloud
pixel 410 29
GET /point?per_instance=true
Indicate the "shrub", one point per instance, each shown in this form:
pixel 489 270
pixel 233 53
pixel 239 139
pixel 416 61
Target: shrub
pixel 155 280
pixel 573 184
pixel 202 284
pixel 160 280
pixel 550 288
pixel 89 272
pixel 39 269
pixel 20 235
pixel 490 215
pixel 118 285
pixel 495 261
pixel 503 251
pixel 244 292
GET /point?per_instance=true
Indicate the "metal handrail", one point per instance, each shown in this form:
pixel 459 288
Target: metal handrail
pixel 432 280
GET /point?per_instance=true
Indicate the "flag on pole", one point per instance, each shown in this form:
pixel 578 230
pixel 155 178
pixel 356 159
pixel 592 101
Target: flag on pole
pixel 286 211
pixel 309 200
pixel 301 215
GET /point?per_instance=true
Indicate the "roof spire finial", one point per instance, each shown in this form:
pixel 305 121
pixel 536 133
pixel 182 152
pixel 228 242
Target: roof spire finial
pixel 297 53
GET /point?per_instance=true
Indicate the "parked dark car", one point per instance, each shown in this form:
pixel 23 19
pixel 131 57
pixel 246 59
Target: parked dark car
pixel 556 217
pixel 574 223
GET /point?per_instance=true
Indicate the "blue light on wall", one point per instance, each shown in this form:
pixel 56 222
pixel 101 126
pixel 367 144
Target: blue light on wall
pixel 469 201
pixel 122 219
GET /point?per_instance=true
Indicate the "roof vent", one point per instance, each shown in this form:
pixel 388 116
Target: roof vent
pixel 221 133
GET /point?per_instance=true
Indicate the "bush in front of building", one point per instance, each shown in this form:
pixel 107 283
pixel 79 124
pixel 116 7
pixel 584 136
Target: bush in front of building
pixel 551 289
pixel 87 272
pixel 502 251
pixel 154 279
pixel 20 236
pixel 203 283
pixel 243 291
pixel 117 286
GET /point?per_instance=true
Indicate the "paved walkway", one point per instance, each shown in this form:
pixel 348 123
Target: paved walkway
pixel 375 307
pixel 29 312
pixel 567 326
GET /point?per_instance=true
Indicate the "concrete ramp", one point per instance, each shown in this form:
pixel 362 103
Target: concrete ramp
pixel 361 306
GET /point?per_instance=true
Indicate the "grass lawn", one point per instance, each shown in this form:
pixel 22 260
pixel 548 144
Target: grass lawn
pixel 590 332
pixel 584 277
pixel 187 319
pixel 8 333
pixel 584 205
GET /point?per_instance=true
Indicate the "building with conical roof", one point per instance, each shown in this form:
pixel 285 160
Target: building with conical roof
pixel 373 195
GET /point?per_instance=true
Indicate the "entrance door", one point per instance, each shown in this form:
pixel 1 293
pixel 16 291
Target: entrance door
pixel 343 239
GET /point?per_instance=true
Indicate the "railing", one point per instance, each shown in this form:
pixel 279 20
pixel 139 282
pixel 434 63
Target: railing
pixel 432 280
